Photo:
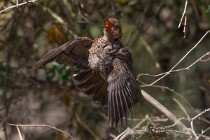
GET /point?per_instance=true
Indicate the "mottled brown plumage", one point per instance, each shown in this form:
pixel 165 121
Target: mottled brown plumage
pixel 107 68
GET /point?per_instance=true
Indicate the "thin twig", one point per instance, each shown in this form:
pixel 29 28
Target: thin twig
pixel 185 24
pixel 36 125
pixel 17 5
pixel 164 110
pixel 141 122
pixel 172 69
pixel 177 70
pixel 182 108
pixel 185 19
pixel 174 124
pixel 206 110
pixel 122 135
pixel 192 120
pixel 20 135
pixel 203 132
pixel 175 92
pixel 126 135
pixel 183 14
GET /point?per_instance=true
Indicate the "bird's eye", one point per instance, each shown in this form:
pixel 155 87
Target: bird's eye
pixel 117 27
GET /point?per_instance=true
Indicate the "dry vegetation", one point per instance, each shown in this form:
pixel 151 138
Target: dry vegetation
pixel 170 45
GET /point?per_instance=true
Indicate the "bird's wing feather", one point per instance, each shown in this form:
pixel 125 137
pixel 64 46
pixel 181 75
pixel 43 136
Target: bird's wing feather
pixel 92 84
pixel 123 92
pixel 72 52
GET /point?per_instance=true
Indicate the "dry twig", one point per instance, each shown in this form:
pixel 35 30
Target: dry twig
pixel 172 69
pixel 185 19
pixel 34 125
pixel 192 126
pixel 17 5
pixel 164 110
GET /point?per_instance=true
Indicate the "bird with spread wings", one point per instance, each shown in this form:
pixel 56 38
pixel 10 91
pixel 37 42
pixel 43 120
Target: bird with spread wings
pixel 107 69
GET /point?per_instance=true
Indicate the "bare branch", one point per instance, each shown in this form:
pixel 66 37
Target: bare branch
pixel 125 133
pixel 17 5
pixel 20 135
pixel 164 110
pixel 185 19
pixel 36 125
pixel 182 108
pixel 172 69
pixel 175 123
pixel 192 126
pixel 183 14
pixel 177 70
pixel 203 133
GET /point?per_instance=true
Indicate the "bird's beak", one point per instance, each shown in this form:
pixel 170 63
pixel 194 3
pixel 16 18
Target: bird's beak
pixel 108 25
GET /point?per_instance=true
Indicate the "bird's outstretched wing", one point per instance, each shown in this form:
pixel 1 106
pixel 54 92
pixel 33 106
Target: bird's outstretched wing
pixel 123 92
pixel 92 84
pixel 71 53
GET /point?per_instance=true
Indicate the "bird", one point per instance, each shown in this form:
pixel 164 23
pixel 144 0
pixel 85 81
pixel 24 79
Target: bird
pixel 106 73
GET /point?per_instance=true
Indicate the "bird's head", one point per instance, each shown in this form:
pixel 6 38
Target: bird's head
pixel 112 29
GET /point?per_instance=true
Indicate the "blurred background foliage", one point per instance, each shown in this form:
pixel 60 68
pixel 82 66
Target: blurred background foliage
pixel 49 95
